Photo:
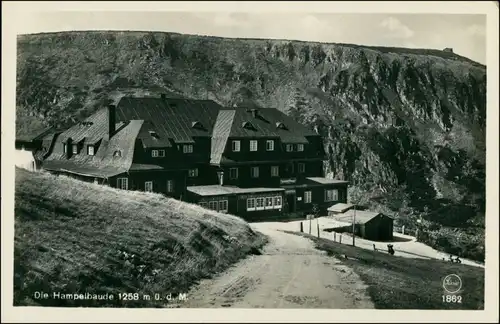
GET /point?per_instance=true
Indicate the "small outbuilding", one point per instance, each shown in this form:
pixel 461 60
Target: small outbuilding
pixel 370 225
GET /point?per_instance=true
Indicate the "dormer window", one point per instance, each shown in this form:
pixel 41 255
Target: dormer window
pixel 117 153
pixel 154 134
pixel 289 147
pixel 90 149
pixel 280 125
pixel 187 148
pixel 248 125
pixel 197 125
pixel 300 147
pixel 65 148
pixel 75 149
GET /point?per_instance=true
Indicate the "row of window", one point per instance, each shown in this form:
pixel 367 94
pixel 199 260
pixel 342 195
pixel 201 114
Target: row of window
pixel 330 195
pixel 262 203
pixel 187 148
pixel 217 205
pixel 122 183
pixel 74 149
pixel 255 171
pixel 236 146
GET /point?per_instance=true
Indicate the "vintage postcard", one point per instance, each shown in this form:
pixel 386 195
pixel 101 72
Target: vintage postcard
pixel 281 161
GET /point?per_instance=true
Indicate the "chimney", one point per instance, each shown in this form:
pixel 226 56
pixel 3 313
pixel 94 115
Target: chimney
pixel 254 112
pixel 111 120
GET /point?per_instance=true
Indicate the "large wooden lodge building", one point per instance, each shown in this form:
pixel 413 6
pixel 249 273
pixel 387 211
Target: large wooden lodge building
pixel 247 162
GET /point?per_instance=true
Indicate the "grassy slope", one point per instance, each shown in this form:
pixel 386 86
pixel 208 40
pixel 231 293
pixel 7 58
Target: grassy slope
pixel 69 235
pixel 402 283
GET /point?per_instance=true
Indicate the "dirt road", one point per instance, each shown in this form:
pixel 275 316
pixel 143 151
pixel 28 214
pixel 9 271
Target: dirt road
pixel 290 273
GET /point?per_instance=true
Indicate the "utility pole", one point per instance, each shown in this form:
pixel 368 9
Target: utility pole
pixel 354 227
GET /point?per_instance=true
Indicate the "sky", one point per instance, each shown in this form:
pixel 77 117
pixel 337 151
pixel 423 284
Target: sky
pixel 465 33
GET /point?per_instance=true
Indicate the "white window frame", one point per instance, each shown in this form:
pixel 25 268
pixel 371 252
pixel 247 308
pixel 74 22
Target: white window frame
pixel 300 147
pixel 193 173
pixel 74 149
pixel 307 197
pixel 236 146
pixel 148 186
pixel 154 153
pixel 289 147
pixel 254 145
pixel 277 202
pixel 170 186
pixel 250 204
pixel 223 206
pixel 65 148
pixel 214 204
pixel 187 148
pixel 268 203
pixel 301 167
pixel 270 145
pixel 254 172
pixel 259 203
pixel 122 183
pixel 161 153
pixel 231 170
pixel 90 150
pixel 275 171
pixel 331 195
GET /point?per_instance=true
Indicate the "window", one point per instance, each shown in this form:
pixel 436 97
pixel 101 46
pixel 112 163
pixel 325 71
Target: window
pixel 223 206
pixel 270 145
pixel 65 148
pixel 331 195
pixel 269 203
pixel 122 183
pixel 154 153
pixel 277 202
pixel 75 149
pixel 90 149
pixel 193 173
pixel 148 186
pixel 302 168
pixel 307 197
pixel 212 205
pixel 300 147
pixel 289 147
pixel 170 185
pixel 290 168
pixel 117 153
pixel 259 203
pixel 250 203
pixel 275 171
pixel 233 173
pixel 236 145
pixel 161 153
pixel 253 145
pixel 254 172
pixel 188 148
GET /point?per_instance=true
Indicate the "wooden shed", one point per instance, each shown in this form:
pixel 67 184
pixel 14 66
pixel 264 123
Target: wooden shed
pixel 371 225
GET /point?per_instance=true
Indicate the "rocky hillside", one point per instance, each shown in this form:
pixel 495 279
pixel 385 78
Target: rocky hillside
pixel 405 126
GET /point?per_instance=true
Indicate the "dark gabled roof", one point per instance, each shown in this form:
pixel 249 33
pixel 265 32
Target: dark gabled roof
pixel 95 129
pixel 105 163
pixel 266 124
pixel 220 134
pixel 38 135
pixel 171 118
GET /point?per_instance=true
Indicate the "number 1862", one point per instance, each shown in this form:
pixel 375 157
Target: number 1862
pixel 452 299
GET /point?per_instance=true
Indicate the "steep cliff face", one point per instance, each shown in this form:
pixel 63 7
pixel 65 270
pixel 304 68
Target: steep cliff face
pixel 402 123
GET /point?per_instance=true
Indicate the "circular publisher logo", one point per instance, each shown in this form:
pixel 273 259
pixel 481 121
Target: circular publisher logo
pixel 452 283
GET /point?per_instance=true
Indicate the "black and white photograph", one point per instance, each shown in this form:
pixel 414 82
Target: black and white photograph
pixel 219 157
